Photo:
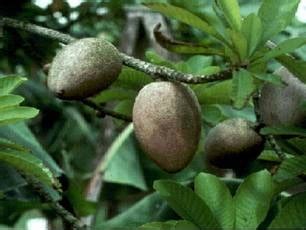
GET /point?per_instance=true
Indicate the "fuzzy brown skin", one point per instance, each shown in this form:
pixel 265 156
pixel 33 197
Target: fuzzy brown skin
pixel 84 68
pixel 232 144
pixel 282 105
pixel 167 123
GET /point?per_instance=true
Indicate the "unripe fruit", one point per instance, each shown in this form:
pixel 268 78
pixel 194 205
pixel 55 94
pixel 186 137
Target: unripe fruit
pixel 167 124
pixel 232 144
pixel 281 105
pixel 83 68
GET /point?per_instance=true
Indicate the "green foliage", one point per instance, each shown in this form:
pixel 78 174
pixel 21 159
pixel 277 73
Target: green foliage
pixel 186 203
pixel 252 200
pixel 216 35
pixel 218 198
pixel 243 88
pixel 291 214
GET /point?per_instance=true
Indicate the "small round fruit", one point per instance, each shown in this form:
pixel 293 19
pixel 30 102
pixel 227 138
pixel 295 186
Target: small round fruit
pixel 233 144
pixel 84 68
pixel 281 105
pixel 167 123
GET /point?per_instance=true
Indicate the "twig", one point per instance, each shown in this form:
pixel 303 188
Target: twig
pixel 166 73
pixel 155 71
pixel 276 147
pixel 58 208
pixel 32 28
pixel 105 111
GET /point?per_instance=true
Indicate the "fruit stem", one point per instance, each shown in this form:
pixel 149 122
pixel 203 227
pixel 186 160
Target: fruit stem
pixel 105 111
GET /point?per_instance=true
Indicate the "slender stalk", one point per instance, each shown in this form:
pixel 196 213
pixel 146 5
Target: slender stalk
pixel 155 71
pixel 58 208
pixel 105 111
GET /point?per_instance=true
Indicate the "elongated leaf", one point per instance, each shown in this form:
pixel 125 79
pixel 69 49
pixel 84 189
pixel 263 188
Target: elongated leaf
pixel 120 158
pixel 239 43
pixel 150 208
pixel 9 83
pixel 276 15
pixel 17 113
pixel 10 100
pixel 217 93
pixel 217 197
pixel 271 78
pixel 284 47
pixel 169 225
pixel 252 31
pixel 183 47
pixel 283 130
pixel 252 200
pixel 28 164
pixel 291 214
pixel 231 12
pixel 20 133
pixel 297 67
pixel 7 144
pixel 115 94
pixel 9 178
pixel 186 203
pixel 291 168
pixel 131 79
pixel 243 88
pixel 184 16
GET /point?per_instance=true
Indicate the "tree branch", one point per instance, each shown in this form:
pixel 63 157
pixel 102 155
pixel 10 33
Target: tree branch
pixel 58 208
pixel 105 111
pixel 155 71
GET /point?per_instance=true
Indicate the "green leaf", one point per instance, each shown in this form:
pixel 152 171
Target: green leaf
pixel 243 88
pixel 7 144
pixel 150 208
pixel 216 93
pixel 284 47
pixel 115 94
pixel 9 178
pixel 275 16
pixel 183 47
pixel 217 197
pixel 252 200
pixel 10 100
pixel 16 113
pixel 231 12
pixel 283 130
pixel 131 79
pixel 290 168
pixel 296 67
pixel 186 203
pixel 27 163
pixel 184 16
pixel 252 31
pixel 20 133
pixel 291 214
pixel 271 78
pixel 169 225
pixel 9 83
pixel 239 43
pixel 120 158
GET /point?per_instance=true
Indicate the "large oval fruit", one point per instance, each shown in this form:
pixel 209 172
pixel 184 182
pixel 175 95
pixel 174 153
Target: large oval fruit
pixel 83 68
pixel 232 144
pixel 167 123
pixel 282 105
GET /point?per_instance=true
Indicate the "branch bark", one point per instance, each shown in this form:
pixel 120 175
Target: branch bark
pixel 155 71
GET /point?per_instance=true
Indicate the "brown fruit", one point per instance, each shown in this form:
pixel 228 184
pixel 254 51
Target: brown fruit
pixel 232 144
pixel 167 123
pixel 281 105
pixel 83 68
